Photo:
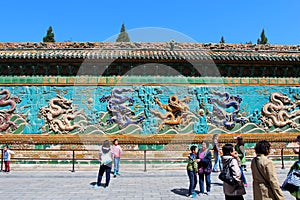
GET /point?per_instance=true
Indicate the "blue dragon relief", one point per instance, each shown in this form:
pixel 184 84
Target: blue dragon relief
pixel 221 114
pixel 118 105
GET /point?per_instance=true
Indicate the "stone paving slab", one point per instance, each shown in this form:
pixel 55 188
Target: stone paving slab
pixel 155 184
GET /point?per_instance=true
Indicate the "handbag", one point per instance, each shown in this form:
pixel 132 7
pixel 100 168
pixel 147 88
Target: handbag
pixel 205 170
pixel 292 181
pixel 208 169
pixel 227 176
pixel 200 170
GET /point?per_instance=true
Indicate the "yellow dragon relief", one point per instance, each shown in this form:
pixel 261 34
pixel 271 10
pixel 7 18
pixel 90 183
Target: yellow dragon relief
pixel 176 111
pixel 6 114
pixel 60 114
pixel 280 111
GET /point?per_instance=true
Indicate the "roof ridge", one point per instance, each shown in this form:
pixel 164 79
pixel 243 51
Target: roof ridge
pixel 147 46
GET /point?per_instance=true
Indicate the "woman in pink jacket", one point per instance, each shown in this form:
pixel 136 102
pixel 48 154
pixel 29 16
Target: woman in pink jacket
pixel 117 151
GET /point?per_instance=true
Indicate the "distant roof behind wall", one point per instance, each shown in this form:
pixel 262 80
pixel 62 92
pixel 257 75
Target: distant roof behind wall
pixel 150 51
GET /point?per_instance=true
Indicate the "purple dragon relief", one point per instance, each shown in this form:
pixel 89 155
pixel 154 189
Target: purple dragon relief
pixel 220 115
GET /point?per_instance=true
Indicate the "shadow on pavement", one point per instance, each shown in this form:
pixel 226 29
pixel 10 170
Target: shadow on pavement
pixel 180 191
pixel 93 183
pixel 217 184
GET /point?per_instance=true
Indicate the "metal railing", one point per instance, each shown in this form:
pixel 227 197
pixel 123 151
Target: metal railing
pixel 143 156
pixel 72 155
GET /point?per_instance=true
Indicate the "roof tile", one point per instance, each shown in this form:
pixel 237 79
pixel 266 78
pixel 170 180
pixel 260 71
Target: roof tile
pixel 155 50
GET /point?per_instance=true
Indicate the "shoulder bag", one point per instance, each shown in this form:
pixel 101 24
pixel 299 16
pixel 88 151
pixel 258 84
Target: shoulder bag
pixel 227 176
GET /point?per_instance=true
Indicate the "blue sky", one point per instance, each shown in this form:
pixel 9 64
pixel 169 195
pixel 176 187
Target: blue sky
pixel 201 21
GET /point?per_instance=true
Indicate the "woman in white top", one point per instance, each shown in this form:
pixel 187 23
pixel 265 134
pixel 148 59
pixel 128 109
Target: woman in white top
pixel 106 159
pixel 229 158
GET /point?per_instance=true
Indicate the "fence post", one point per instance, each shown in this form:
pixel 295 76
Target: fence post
pixel 73 162
pixel 282 162
pixel 299 153
pixel 145 161
pixel 2 159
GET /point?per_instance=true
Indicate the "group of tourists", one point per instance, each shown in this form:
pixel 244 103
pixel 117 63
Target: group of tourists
pixel 230 162
pixel 200 164
pixel 108 156
pixel 232 165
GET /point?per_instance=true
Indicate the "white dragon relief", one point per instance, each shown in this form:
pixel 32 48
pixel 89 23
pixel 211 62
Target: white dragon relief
pixel 60 114
pixel 280 111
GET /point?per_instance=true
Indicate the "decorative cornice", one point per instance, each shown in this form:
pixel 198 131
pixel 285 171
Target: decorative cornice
pixel 146 80
pixel 141 139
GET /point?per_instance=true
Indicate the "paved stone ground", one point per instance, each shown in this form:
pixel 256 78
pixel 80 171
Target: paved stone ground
pixel 156 183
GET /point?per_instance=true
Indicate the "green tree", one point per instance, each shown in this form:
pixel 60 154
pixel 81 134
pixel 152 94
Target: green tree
pixel 123 35
pixel 222 41
pixel 50 35
pixel 263 39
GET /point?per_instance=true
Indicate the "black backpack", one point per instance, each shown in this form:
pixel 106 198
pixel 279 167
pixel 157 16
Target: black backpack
pixel 226 174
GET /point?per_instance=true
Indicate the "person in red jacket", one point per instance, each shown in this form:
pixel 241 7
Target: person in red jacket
pixel 6 157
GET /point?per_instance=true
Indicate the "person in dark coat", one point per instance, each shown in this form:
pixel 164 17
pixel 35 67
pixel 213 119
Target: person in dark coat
pixel 205 167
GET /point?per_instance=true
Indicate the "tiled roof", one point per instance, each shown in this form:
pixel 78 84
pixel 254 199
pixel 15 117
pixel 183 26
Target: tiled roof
pixel 150 51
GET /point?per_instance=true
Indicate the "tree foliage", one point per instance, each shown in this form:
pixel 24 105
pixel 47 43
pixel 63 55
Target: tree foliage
pixel 222 41
pixel 123 35
pixel 50 35
pixel 263 39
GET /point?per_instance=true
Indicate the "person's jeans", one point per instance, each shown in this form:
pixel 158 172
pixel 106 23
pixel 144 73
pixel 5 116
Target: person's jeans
pixel 7 166
pixel 107 170
pixel 116 165
pixel 207 182
pixel 243 176
pixel 218 162
pixel 193 181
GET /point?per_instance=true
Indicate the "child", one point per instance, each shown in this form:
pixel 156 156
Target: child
pixel 192 168
pixel 106 158
pixel 6 156
pixel 117 151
